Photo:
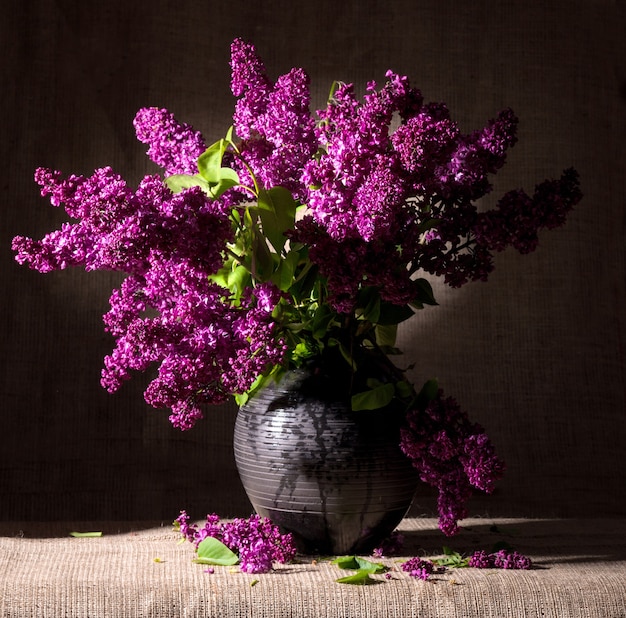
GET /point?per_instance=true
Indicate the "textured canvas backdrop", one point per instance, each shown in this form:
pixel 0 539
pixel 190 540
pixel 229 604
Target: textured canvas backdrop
pixel 536 355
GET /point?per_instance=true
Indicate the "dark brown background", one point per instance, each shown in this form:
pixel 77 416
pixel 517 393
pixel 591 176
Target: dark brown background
pixel 536 355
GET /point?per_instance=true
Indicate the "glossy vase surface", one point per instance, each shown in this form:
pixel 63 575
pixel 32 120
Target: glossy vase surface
pixel 334 478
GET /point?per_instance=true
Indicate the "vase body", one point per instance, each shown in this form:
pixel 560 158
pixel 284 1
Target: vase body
pixel 336 479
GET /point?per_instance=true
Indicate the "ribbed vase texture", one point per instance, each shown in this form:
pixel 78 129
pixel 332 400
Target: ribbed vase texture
pixel 334 478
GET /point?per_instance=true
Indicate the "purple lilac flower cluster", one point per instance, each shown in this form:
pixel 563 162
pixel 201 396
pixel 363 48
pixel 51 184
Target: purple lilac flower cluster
pixel 273 121
pixel 517 217
pixel 256 540
pixel 451 454
pixel 174 147
pixel 502 559
pixel 419 568
pixel 402 202
pixel 207 347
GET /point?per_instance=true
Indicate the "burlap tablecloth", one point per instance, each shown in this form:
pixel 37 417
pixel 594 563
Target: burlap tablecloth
pixel 140 569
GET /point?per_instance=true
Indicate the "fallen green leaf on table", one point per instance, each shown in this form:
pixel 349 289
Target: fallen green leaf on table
pixel 451 559
pixel 364 568
pixel 359 578
pixel 79 535
pixel 212 551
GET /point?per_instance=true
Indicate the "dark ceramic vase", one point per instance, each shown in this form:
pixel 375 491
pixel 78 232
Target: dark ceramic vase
pixel 336 479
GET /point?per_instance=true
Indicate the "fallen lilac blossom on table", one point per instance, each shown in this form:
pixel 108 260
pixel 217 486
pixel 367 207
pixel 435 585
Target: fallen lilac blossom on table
pixel 256 543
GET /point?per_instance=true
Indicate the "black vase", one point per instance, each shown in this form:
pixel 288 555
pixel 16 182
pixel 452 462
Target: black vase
pixel 334 478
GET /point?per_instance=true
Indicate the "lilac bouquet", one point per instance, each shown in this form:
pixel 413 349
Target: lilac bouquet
pixel 297 235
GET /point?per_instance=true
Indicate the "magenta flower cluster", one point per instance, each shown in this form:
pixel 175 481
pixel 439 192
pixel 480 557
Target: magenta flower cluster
pixel 451 454
pixel 256 540
pixel 386 205
pixel 174 147
pixel 419 568
pixel 273 120
pixel 502 559
pixel 166 311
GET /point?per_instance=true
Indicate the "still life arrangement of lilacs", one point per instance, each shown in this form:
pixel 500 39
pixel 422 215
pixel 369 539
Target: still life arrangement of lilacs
pixel 296 234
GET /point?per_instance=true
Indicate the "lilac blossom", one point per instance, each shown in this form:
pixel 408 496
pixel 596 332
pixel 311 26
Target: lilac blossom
pixel 419 568
pixel 256 540
pixel 206 347
pixel 173 146
pixel 518 217
pixel 354 139
pixel 273 120
pixel 502 559
pixel 451 454
pixel 348 263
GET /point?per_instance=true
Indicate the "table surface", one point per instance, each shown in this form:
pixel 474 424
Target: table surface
pixel 140 569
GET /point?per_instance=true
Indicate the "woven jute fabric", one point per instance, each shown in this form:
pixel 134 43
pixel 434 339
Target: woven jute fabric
pixel 140 570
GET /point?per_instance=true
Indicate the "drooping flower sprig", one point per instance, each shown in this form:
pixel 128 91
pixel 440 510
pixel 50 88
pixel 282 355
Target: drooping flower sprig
pixel 450 452
pixel 294 236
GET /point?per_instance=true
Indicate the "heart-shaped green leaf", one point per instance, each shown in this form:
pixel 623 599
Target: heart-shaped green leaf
pixel 373 399
pixel 213 551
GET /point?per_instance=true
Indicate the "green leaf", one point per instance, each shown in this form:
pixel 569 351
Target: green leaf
pixel 213 551
pixel 360 578
pixel 368 304
pixel 284 274
pixel 241 398
pixel 232 276
pixel 425 295
pixel 371 567
pixel 386 335
pixel 307 278
pixel 238 279
pixel 373 399
pixel 277 210
pixel 404 390
pixel 346 562
pixel 178 182
pixel 228 178
pixel 364 568
pixel 263 260
pixel 427 394
pixel 81 535
pixel 210 162
pixel 391 314
pixel 452 559
pixel 322 319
